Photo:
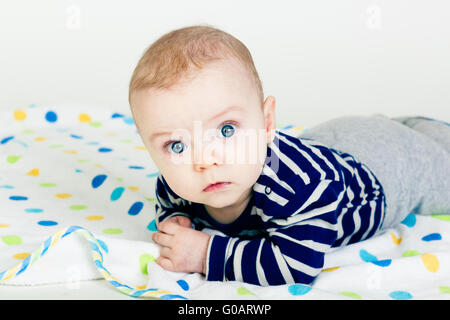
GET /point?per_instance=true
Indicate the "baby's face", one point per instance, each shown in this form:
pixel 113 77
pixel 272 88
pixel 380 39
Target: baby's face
pixel 206 130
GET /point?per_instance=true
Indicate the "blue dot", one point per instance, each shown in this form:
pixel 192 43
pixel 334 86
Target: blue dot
pixel 400 295
pixel 151 175
pixel 47 223
pixel 5 140
pixel 6 186
pixel 117 115
pixel 76 136
pixel 98 180
pixel 104 150
pixel 78 170
pixel 432 237
pixel 410 220
pixel 366 256
pixel 136 167
pixel 117 193
pixel 383 263
pixel 299 289
pixel 18 198
pixel 51 116
pixel 183 284
pixel 33 210
pixel 152 226
pixel 93 143
pixel 136 208
pixel 128 120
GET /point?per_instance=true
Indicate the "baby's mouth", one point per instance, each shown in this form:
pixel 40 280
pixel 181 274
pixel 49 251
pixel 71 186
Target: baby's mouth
pixel 216 186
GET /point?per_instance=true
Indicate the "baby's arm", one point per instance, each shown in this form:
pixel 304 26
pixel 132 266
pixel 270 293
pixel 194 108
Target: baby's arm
pixel 293 250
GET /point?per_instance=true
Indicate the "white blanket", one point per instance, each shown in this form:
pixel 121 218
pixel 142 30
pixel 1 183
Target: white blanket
pixel 77 203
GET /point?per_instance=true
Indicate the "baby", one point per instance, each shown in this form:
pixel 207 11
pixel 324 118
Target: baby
pixel 278 202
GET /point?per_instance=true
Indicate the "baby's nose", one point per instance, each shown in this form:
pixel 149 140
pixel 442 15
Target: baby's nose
pixel 209 155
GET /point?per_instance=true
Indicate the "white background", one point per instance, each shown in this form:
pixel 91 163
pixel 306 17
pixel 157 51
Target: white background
pixel 320 59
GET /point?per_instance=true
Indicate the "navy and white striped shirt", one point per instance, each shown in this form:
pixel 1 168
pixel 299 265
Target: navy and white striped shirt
pixel 307 199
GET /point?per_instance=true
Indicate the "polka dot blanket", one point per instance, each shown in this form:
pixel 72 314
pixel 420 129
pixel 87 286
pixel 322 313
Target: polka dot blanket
pixel 77 203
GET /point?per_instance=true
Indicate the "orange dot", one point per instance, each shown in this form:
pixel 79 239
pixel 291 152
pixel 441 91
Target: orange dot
pixel 20 115
pixel 34 172
pixel 133 188
pixel 39 139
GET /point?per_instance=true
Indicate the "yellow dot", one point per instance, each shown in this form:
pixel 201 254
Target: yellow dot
pixel 63 195
pixel 20 115
pixel 299 128
pixel 330 269
pixel 98 165
pixel 21 255
pixel 140 148
pixel 84 117
pixel 39 139
pixel 2 225
pixel 110 134
pixel 34 172
pixel 71 151
pixel 133 188
pixel 95 218
pixel 430 262
pixel 396 240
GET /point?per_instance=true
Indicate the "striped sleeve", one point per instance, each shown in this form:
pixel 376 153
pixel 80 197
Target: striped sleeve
pixel 293 250
pixel 168 204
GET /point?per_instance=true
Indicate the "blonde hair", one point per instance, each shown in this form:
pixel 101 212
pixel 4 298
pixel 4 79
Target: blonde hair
pixel 184 50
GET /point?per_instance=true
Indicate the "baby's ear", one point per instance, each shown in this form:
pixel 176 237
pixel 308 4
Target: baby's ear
pixel 269 118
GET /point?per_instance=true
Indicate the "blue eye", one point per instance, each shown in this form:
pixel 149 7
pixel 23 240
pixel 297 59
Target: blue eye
pixel 227 130
pixel 176 147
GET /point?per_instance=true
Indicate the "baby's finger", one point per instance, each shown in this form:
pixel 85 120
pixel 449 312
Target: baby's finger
pixel 162 239
pixel 184 221
pixel 168 227
pixel 165 252
pixel 165 263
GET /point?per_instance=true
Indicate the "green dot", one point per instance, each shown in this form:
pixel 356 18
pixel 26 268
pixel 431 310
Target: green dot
pixel 244 291
pixel 83 160
pixel 112 231
pixel 144 259
pixel 95 124
pixel 444 289
pixel 150 199
pixel 27 131
pixel 55 146
pixel 12 240
pixel 126 140
pixel 48 185
pixel 410 253
pixel 77 207
pixel 443 217
pixel 12 159
pixel 119 179
pixel 350 294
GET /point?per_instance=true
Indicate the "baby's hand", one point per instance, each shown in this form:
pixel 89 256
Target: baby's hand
pixel 183 248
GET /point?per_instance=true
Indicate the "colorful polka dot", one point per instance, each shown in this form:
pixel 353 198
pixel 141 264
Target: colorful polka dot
pixel 430 261
pixel 47 223
pixel 11 159
pixel 135 208
pixel 152 226
pixel 444 289
pixel 410 220
pixel 183 284
pixel 63 195
pixel 98 180
pixel 242 291
pixel 443 217
pixel 18 198
pixel 84 117
pixel 432 237
pixel 350 294
pixel 47 185
pixel 51 116
pixel 400 295
pixel 33 172
pixel 104 150
pixel 117 193
pixel 299 289
pixel 144 259
pixel 95 218
pixel 34 210
pixel 19 115
pixel 78 207
pixel 12 240
pixel 112 231
pixel 5 140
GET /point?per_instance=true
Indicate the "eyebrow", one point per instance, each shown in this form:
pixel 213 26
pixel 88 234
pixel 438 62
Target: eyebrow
pixel 220 114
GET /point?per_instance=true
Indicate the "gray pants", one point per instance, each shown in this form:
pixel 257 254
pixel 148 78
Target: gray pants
pixel 410 156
